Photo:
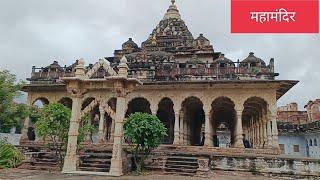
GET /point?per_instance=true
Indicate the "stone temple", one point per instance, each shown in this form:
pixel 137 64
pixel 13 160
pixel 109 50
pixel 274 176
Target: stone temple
pixel 209 103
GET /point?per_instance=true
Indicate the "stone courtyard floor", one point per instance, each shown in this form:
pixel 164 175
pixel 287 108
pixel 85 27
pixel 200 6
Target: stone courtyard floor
pixel 44 175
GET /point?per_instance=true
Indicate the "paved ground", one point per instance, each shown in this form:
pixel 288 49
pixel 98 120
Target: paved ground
pixel 42 175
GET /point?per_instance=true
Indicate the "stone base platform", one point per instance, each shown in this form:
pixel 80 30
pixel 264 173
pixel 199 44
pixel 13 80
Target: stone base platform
pixel 204 161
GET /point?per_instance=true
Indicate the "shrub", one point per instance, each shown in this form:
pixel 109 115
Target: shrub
pixel 10 156
pixel 144 133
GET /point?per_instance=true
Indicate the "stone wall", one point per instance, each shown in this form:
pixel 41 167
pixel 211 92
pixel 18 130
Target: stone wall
pixel 275 165
pixel 288 141
pixel 11 138
pixel 257 164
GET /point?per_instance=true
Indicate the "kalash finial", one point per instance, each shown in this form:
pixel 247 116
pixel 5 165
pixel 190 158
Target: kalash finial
pixel 173 2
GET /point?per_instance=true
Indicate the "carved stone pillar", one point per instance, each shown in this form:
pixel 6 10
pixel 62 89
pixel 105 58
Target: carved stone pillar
pixel 70 160
pixel 208 130
pixel 26 124
pixel 238 143
pixel 176 129
pixel 116 161
pixel 275 142
pixel 185 131
pixel 261 133
pixel 181 127
pixel 77 92
pixel 153 108
pixel 88 135
pixel 112 130
pixel 255 134
pixel 101 134
pixel 265 133
pixel 269 133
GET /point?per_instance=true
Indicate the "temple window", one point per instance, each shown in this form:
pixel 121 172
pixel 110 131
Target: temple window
pixel 253 65
pixel 182 65
pixel 310 142
pixel 315 142
pixel 223 65
pixel 296 148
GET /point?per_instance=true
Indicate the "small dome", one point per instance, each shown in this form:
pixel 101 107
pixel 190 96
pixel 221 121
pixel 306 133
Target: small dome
pixel 201 41
pixel 222 59
pixel 54 66
pixel 172 12
pixel 129 45
pixel 253 59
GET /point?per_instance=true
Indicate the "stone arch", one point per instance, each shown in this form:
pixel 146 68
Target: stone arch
pixel 90 108
pixel 37 104
pixel 223 117
pixel 138 104
pixel 43 100
pixel 66 101
pixel 255 111
pixel 166 114
pixel 193 121
pixel 112 102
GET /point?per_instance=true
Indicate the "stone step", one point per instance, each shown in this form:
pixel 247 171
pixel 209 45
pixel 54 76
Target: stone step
pixel 98 151
pixel 98 165
pixel 180 170
pixel 93 160
pixel 180 173
pixel 181 166
pixel 175 161
pixel 182 158
pixel 40 168
pixel 94 169
pixel 108 155
pixel 42 163
pixel 45 160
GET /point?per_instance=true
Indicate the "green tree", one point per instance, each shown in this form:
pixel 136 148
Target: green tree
pixel 144 133
pixel 53 126
pixel 11 113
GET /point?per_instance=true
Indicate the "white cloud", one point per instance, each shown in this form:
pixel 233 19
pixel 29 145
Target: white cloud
pixel 36 32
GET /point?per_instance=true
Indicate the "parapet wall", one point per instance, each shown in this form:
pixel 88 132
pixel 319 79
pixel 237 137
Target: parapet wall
pixel 268 165
pixel 13 139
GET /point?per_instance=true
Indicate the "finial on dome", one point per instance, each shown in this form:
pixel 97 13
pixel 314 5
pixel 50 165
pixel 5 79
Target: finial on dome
pixel 173 1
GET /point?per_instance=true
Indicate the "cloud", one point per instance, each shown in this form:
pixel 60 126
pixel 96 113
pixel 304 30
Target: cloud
pixel 36 32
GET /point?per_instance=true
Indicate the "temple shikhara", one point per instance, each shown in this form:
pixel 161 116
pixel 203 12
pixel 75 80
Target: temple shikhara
pixel 220 113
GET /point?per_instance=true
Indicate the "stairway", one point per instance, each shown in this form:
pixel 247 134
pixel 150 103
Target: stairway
pixel 184 165
pixel 40 161
pixel 95 160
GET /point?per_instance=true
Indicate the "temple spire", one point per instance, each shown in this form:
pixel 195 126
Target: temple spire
pixel 172 12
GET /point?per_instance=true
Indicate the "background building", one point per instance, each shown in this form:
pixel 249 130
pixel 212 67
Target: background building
pixel 299 131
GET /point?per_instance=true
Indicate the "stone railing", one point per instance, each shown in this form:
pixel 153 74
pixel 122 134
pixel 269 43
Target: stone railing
pixel 284 127
pixel 13 139
pixel 204 73
pixel 49 76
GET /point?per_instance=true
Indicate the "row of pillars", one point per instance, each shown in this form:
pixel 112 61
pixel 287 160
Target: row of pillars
pixel 262 133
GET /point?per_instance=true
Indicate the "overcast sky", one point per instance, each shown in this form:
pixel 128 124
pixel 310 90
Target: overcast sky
pixel 36 32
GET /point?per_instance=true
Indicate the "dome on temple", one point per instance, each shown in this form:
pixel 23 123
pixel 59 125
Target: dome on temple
pixel 222 61
pixel 253 61
pixel 54 67
pixel 171 34
pixel 172 12
pixel 201 41
pixel 130 46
